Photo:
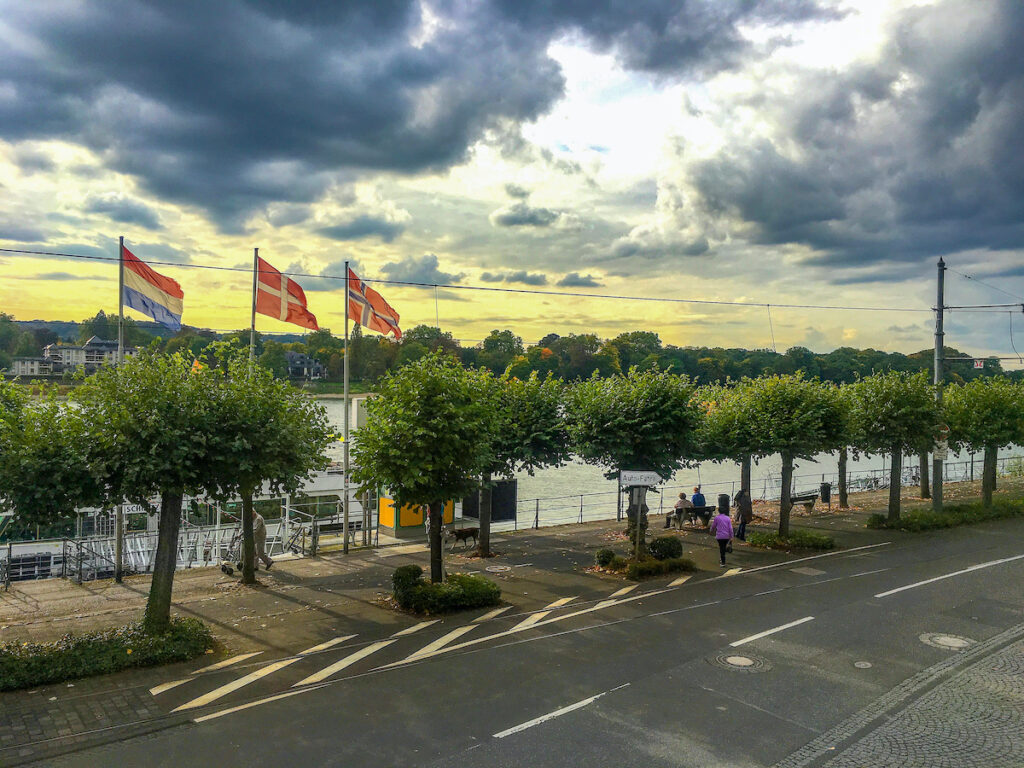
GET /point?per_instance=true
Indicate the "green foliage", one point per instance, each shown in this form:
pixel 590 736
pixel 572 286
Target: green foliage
pixel 643 420
pixel 529 429
pixel 617 563
pixel 428 432
pixel 985 413
pixel 604 557
pixel 950 517
pixel 24 665
pixel 459 592
pixel 893 411
pixel 666 548
pixel 796 539
pixel 646 568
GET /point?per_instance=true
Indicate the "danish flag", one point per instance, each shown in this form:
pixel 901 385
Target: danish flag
pixel 368 308
pixel 279 297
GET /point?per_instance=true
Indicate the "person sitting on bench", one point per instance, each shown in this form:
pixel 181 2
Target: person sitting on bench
pixel 681 505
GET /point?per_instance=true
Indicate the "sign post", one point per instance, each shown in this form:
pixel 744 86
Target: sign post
pixel 639 481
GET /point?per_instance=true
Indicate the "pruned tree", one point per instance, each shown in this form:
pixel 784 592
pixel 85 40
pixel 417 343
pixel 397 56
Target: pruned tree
pixel 151 425
pixel 986 415
pixel 427 438
pixel 642 420
pixel 268 435
pixel 528 433
pixel 793 416
pixel 726 433
pixel 895 413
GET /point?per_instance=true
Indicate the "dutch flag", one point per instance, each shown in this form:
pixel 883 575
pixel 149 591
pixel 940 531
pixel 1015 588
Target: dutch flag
pixel 151 293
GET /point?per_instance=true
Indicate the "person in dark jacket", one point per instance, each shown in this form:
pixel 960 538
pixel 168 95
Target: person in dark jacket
pixel 744 513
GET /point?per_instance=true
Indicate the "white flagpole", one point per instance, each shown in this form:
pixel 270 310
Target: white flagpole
pixel 345 433
pixel 252 321
pixel 119 509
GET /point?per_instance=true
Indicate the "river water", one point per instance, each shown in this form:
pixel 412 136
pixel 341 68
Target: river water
pixel 557 494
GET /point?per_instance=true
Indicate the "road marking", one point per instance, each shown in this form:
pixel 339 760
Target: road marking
pixel 251 704
pixel 680 580
pixel 348 661
pixel 532 619
pixel 731 572
pixel 441 642
pixel 553 715
pixel 491 614
pixel 977 567
pixel 624 590
pixel 252 677
pixel 815 557
pixel 168 686
pixel 415 628
pixel 560 602
pixel 328 644
pixel 767 632
pixel 227 662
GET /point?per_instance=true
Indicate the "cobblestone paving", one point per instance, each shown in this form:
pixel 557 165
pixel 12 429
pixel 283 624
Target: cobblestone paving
pixel 973 719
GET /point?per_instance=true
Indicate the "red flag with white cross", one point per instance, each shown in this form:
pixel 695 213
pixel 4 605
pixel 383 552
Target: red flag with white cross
pixel 279 296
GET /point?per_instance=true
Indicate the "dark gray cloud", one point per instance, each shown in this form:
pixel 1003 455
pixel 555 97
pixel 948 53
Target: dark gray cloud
pixel 124 210
pixel 910 157
pixel 519 276
pixel 232 105
pixel 420 269
pixel 20 233
pixel 520 214
pixel 329 276
pixel 516 191
pixel 362 227
pixel 30 160
pixel 576 280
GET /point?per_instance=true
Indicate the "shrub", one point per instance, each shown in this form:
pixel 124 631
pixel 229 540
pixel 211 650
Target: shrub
pixel 645 568
pixel 796 540
pixel 665 548
pixel 459 592
pixel 603 557
pixel 618 563
pixel 23 665
pixel 951 516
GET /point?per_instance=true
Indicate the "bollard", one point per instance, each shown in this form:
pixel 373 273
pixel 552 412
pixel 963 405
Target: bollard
pixel 581 507
pixel 536 515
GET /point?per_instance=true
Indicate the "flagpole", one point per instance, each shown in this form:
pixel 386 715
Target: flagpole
pixel 252 321
pixel 345 433
pixel 119 509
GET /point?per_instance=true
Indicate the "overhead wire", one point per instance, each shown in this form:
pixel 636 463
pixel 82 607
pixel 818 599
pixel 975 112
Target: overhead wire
pixel 987 285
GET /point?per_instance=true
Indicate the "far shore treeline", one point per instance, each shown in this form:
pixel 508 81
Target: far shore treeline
pixel 571 357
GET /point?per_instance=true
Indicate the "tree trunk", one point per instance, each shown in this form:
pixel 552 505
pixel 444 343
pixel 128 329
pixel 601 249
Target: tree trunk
pixel 895 479
pixel 434 513
pixel 926 492
pixel 745 475
pixel 637 514
pixel 158 608
pixel 248 542
pixel 988 475
pixel 844 498
pixel 785 505
pixel 483 548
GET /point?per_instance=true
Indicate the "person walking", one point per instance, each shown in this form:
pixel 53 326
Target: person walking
pixel 259 535
pixel 698 498
pixel 721 529
pixel 744 513
pixel 681 505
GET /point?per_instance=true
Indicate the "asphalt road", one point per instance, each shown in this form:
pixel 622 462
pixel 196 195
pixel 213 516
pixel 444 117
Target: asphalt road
pixel 832 652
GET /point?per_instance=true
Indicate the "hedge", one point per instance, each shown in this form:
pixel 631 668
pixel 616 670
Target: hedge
pixel 950 517
pixel 458 592
pixel 666 548
pixel 24 665
pixel 795 540
pixel 646 568
pixel 604 557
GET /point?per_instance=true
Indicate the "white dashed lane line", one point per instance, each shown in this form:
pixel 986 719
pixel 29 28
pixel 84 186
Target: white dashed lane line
pixel 977 567
pixel 772 631
pixel 553 715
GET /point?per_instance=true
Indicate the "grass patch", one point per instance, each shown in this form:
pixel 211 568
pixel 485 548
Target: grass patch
pixel 950 517
pixel 795 540
pixel 458 592
pixel 24 665
pixel 647 568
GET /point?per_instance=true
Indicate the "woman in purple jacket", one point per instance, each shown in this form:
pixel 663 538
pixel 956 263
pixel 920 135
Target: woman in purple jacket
pixel 721 529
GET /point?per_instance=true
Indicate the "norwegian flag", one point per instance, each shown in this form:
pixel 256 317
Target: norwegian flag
pixel 368 308
pixel 280 297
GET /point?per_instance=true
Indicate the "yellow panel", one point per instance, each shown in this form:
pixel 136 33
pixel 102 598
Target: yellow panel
pixel 386 510
pixel 411 514
pixel 448 516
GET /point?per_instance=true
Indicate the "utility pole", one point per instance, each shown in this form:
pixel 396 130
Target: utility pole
pixel 938 456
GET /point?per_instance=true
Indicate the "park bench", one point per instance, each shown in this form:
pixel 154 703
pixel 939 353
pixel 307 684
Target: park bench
pixel 335 529
pixel 692 514
pixel 807 499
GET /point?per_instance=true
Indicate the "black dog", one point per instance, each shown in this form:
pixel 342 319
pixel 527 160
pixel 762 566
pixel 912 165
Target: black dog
pixel 460 534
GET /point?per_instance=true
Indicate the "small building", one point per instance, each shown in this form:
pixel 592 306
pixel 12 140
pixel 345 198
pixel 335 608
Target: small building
pixel 59 359
pixel 302 366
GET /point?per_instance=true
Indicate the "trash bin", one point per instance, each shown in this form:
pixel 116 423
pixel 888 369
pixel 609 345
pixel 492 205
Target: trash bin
pixel 723 503
pixel 826 493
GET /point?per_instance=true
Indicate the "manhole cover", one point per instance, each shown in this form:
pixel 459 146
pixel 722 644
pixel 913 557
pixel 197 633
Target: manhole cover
pixel 862 664
pixel 499 568
pixel 945 642
pixel 741 663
